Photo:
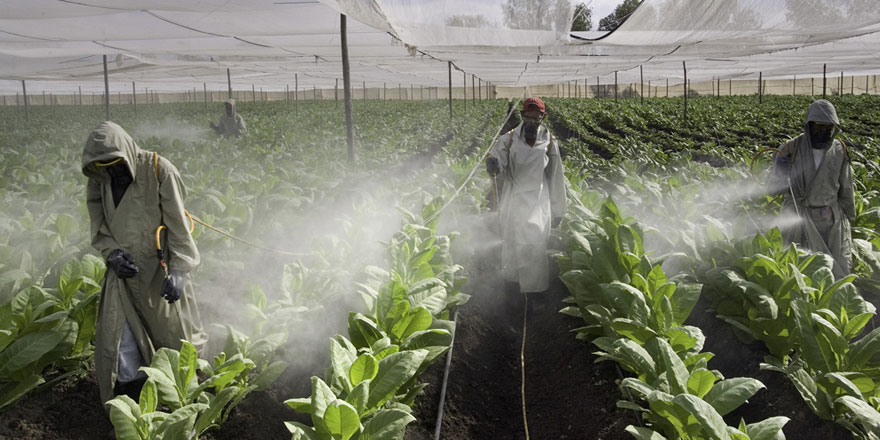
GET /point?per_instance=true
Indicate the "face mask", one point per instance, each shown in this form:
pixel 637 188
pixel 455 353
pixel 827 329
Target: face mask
pixel 229 110
pixel 530 131
pixel 821 140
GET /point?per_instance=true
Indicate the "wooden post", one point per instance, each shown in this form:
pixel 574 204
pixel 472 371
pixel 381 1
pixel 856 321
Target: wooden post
pixel 730 87
pixel 852 85
pixel 106 91
pixel 296 86
pixel 399 92
pixel 314 92
pixel 464 88
pixel 449 65
pixel 793 84
pixel 412 93
pixel 824 82
pixel 685 84
pixel 287 91
pixel 480 88
pixel 346 85
pixel 760 88
pixel 253 93
pixel 615 85
pixel 421 92
pixel 642 84
pixel 840 87
pixel 229 83
pixel 384 92
pixel 80 95
pixel 24 94
pixel 365 90
pixel 473 90
pixel 134 101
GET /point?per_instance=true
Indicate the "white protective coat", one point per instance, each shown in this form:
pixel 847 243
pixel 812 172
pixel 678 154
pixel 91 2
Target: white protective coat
pixel 532 195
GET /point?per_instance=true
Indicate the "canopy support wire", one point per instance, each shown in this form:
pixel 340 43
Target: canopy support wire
pixel 477 165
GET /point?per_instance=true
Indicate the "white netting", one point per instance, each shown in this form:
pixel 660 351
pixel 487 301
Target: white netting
pixel 174 45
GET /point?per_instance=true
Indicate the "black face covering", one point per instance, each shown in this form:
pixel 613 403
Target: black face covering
pixel 228 110
pixel 530 131
pixel 120 178
pixel 821 139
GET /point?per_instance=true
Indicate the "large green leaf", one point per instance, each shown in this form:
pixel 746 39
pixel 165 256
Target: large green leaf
pixel 386 424
pixel 710 420
pixel 394 371
pixel 861 413
pixel 767 429
pixel 727 395
pixel 10 392
pixel 341 420
pixel 700 382
pixel 364 368
pixel 28 349
pixel 124 418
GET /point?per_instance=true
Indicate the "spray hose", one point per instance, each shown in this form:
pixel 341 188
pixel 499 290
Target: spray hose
pixel 160 254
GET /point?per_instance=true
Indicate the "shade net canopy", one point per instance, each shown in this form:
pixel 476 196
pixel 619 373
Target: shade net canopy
pixel 172 45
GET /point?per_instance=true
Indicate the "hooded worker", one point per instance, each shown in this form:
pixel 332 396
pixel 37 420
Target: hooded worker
pixel 231 123
pixel 527 162
pixel 813 172
pixel 130 193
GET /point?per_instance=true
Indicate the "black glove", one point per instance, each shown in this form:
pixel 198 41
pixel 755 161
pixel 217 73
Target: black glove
pixel 172 287
pixel 122 263
pixel 555 222
pixel 493 166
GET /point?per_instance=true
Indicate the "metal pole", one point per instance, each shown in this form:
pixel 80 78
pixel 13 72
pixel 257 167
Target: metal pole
pixel 24 93
pixel 253 93
pixel 667 87
pixel 824 66
pixel 80 95
pixel 480 88
pixel 412 92
pixel 314 92
pixel 384 92
pixel 449 65
pixel 399 92
pixel 473 89
pixel 421 92
pixel 346 85
pixel 365 90
pixel 229 83
pixel 134 101
pixel 296 86
pixel 793 84
pixel 106 91
pixel 287 91
pixel 840 87
pixel 866 84
pixel 685 84
pixel 852 85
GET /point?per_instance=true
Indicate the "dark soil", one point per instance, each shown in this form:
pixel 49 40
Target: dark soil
pixel 735 358
pixel 567 396
pixel 563 132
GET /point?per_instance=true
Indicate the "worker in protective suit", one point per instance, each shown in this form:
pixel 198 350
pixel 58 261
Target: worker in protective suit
pixel 813 172
pixel 130 193
pixel 526 160
pixel 231 123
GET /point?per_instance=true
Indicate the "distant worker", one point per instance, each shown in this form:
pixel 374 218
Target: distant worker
pixel 526 160
pixel 813 172
pixel 131 192
pixel 231 123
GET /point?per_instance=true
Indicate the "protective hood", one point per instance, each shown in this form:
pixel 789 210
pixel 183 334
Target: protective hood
pixel 822 111
pixel 106 143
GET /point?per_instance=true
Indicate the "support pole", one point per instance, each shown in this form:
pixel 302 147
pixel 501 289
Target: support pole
pixel 399 92
pixel 667 87
pixel 450 89
pixel 365 90
pixel 253 93
pixel 384 92
pixel 685 85
pixel 464 88
pixel 473 89
pixel 229 83
pixel 106 91
pixel 760 88
pixel 642 83
pixel 24 94
pixel 615 85
pixel 480 88
pixel 80 95
pixel 793 84
pixel 287 91
pixel 296 86
pixel 840 87
pixel 205 94
pixel 134 100
pixel 421 92
pixel 346 85
pixel 412 92
pixel 824 82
